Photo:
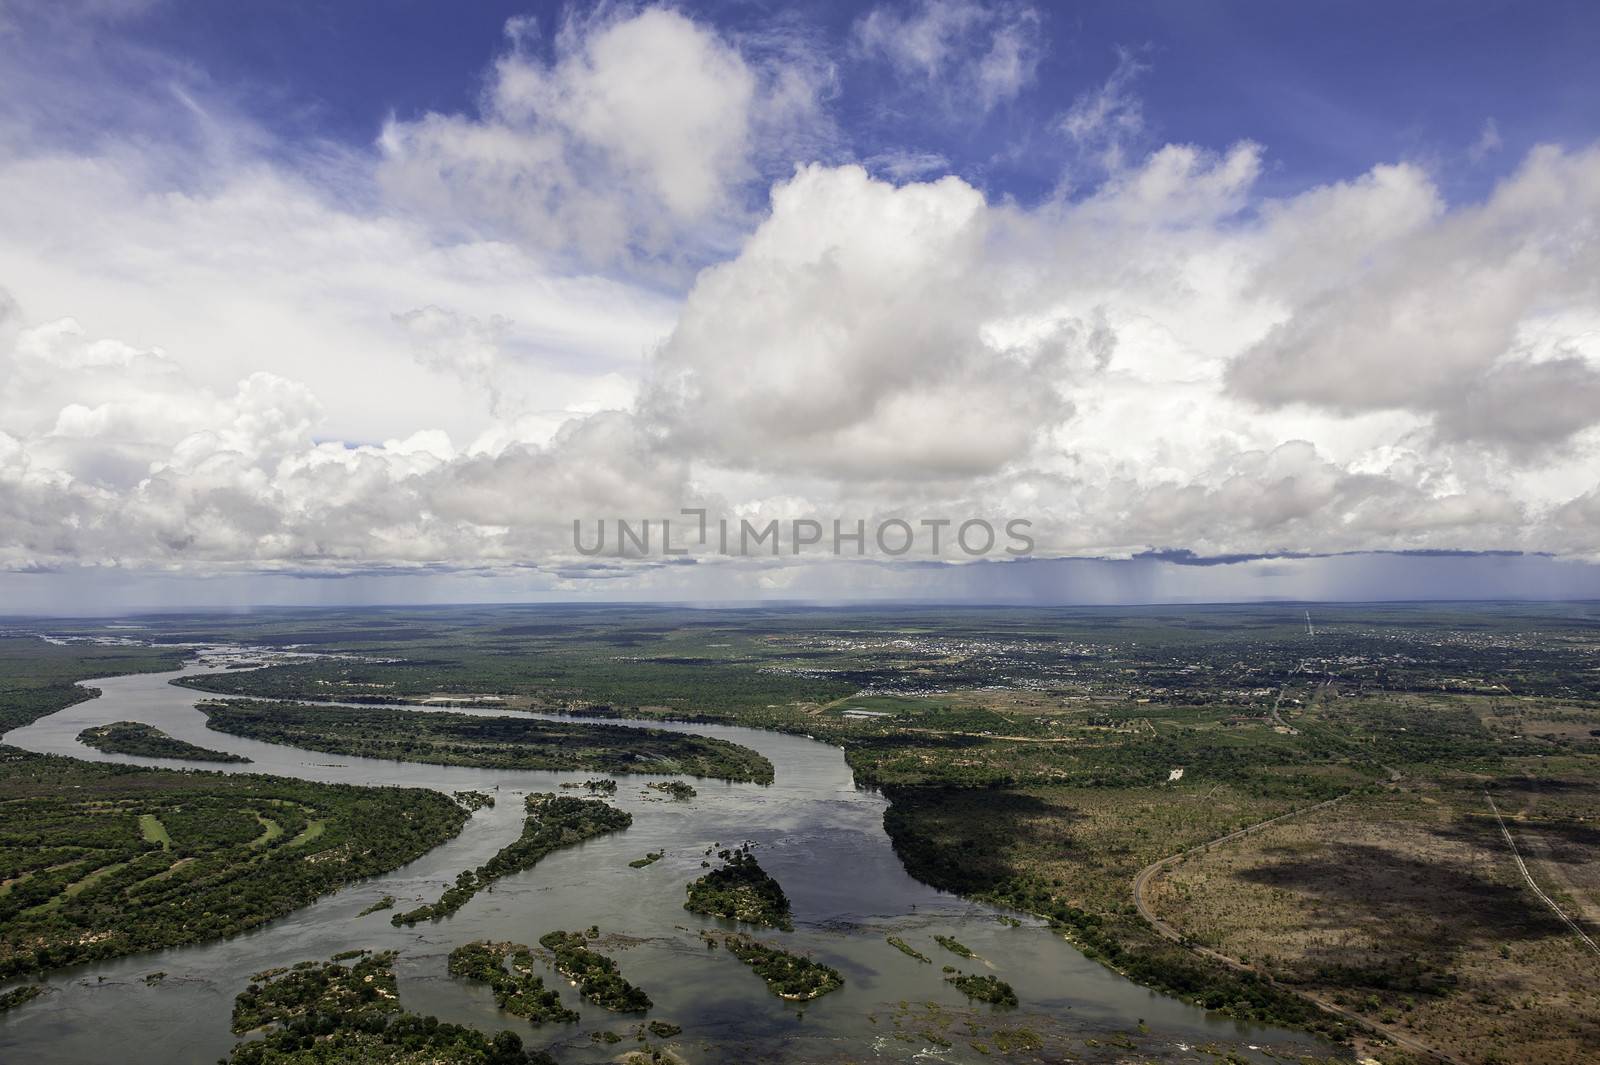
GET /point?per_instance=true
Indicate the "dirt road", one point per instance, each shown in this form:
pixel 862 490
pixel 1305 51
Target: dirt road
pixel 1528 877
pixel 1141 884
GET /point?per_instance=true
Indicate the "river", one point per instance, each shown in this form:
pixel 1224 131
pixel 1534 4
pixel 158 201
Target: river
pixel 814 830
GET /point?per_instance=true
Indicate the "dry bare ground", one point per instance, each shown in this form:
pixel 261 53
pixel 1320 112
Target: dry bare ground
pixel 1407 907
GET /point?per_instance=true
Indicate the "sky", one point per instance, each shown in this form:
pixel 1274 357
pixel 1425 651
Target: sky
pixel 361 301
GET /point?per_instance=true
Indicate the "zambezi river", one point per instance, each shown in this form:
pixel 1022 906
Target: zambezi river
pixel 813 829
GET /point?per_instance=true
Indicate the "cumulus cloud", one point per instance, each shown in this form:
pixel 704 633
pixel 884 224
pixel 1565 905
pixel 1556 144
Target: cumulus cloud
pixel 634 136
pixel 241 478
pixel 268 369
pixel 1451 312
pixel 848 338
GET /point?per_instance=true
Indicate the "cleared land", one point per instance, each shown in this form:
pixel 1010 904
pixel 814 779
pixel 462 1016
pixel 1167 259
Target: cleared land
pixel 1407 907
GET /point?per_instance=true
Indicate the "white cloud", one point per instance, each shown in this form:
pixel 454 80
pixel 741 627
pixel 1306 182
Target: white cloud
pixel 973 53
pixel 253 365
pixel 1488 142
pixel 1441 315
pixel 847 339
pixel 1105 125
pixel 634 139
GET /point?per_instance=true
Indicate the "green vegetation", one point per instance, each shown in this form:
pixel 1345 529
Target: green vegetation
pixel 105 860
pixel 147 741
pixel 787 975
pixel 473 801
pixel 39 678
pixel 600 662
pixel 18 995
pixel 675 789
pixel 740 891
pixel 443 738
pixel 151 830
pixel 594 787
pixel 520 992
pixel 553 822
pixel 907 949
pixel 990 989
pixel 1040 758
pixel 650 858
pixel 385 903
pixel 954 946
pixel 332 1014
pixel 663 1029
pixel 596 975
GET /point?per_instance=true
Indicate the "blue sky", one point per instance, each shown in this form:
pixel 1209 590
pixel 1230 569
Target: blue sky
pixel 1328 86
pixel 395 292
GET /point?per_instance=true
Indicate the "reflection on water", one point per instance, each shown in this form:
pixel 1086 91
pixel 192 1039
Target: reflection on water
pixel 820 835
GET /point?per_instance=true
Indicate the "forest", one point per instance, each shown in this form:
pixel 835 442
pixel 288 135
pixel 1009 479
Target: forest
pixel 552 822
pixel 104 860
pixel 147 741
pixel 444 738
pixel 740 890
pixel 520 991
pixel 788 975
pixel 331 1013
pixel 596 974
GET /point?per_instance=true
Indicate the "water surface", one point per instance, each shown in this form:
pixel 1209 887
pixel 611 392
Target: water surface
pixel 815 831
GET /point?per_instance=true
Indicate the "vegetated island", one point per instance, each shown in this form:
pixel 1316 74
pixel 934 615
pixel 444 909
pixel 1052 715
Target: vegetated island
pixel 604 786
pixel 675 789
pixel 473 801
pixel 650 858
pixel 789 976
pixel 147 741
pixel 908 950
pixel 18 995
pixel 596 975
pixel 385 903
pixel 521 991
pixel 553 822
pixel 954 946
pixel 331 1012
pixel 990 989
pixel 741 891
pixel 442 738
pixel 105 860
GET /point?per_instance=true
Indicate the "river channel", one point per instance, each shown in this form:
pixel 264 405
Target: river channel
pixel 820 835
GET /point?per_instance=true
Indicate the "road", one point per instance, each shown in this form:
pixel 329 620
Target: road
pixel 1142 882
pixel 1527 876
